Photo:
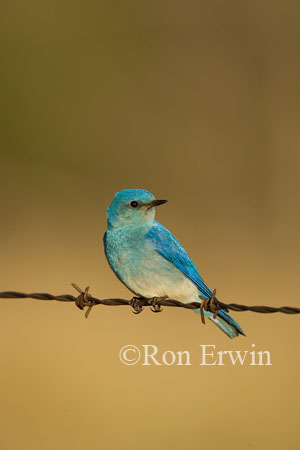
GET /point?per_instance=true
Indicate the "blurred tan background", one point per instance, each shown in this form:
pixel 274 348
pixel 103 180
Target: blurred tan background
pixel 199 103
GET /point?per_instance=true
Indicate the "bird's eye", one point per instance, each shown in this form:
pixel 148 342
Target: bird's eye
pixel 134 204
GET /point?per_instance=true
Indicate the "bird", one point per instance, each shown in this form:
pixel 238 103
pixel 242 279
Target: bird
pixel 150 261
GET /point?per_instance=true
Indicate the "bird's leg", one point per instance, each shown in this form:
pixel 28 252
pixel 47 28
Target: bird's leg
pixel 155 305
pixel 135 303
pixel 208 304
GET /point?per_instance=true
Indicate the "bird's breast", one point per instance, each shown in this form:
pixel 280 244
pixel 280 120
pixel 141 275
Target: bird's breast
pixel 143 270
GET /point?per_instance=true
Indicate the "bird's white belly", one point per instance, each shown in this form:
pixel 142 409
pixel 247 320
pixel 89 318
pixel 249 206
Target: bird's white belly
pixel 157 286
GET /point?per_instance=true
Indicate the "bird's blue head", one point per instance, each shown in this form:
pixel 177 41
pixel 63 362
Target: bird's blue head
pixel 132 207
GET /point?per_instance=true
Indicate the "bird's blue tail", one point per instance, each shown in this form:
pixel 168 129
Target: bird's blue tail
pixel 225 322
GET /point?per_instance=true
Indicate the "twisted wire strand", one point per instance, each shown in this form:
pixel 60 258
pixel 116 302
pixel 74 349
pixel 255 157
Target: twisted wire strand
pixel 138 303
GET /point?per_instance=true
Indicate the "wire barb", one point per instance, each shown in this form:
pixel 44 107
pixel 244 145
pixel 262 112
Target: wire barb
pixel 208 304
pixel 83 299
pixel 212 304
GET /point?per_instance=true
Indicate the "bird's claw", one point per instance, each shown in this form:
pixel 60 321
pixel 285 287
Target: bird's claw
pixel 155 304
pixel 135 303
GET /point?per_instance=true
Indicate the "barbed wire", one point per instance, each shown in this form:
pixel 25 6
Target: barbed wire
pixel 212 304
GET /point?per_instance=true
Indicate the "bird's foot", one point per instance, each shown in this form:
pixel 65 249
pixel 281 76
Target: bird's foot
pixel 208 304
pixel 155 304
pixel 135 303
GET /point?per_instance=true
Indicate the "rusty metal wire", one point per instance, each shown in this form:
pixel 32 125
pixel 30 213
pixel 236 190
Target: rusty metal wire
pixel 85 300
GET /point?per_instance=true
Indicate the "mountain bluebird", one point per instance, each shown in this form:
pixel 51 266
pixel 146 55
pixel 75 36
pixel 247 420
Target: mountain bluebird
pixel 149 260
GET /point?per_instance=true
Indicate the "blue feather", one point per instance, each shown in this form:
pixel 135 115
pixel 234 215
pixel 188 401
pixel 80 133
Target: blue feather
pixel 168 246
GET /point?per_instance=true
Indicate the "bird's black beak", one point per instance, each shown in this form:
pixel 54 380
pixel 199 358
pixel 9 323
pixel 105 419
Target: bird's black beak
pixel 156 203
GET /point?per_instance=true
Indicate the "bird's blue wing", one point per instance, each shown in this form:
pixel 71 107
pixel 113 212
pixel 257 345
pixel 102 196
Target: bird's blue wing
pixel 167 246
